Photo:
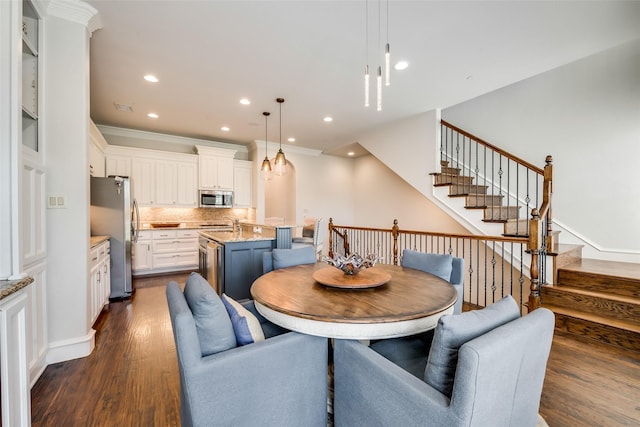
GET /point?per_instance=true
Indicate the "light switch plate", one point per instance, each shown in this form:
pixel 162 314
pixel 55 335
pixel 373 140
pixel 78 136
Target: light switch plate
pixel 56 201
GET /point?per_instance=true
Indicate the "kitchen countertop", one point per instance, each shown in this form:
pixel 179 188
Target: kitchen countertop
pixel 8 287
pixel 184 225
pixel 96 240
pixel 230 237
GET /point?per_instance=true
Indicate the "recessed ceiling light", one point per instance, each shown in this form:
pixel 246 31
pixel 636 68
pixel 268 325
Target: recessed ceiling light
pixel 292 139
pixel 401 65
pixel 151 78
pixel 152 115
pixel 225 129
pixel 351 153
pixel 328 119
pixel 245 101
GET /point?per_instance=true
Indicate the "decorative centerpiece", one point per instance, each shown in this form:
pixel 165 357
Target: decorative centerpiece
pixel 352 264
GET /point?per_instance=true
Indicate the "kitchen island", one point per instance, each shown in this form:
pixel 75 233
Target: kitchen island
pixel 231 261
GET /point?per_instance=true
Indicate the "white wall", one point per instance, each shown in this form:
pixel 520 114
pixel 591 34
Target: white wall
pixel 66 131
pixel 587 116
pixel 382 196
pixel 408 148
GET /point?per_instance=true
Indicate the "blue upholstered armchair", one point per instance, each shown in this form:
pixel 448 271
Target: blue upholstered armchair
pixel 447 267
pixel 484 368
pixel 280 380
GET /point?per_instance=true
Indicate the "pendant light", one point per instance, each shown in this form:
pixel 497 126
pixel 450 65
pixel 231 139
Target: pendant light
pixel 265 170
pixel 280 164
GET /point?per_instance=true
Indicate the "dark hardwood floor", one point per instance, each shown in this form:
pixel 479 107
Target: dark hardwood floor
pixel 131 378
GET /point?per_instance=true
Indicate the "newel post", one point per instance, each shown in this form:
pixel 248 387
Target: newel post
pixel 534 250
pixel 395 232
pixel 330 237
pixel 547 197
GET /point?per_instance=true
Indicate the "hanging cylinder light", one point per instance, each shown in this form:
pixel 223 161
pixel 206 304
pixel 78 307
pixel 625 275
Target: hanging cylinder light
pixel 387 54
pixel 366 53
pixel 265 170
pixel 280 163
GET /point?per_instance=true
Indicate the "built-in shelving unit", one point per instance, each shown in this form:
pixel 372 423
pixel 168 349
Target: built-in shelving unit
pixel 30 36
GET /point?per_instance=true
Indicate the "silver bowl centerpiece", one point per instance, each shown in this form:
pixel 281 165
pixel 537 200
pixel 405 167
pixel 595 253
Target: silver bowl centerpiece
pixel 352 264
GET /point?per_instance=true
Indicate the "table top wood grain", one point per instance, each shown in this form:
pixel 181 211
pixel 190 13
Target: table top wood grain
pixel 410 294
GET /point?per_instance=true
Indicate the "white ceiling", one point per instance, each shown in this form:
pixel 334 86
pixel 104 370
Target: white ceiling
pixel 209 54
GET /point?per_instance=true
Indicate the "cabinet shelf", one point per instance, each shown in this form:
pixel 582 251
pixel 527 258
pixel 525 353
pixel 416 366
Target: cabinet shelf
pixel 28 46
pixel 27 113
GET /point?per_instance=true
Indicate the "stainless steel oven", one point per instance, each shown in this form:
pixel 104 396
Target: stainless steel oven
pixel 210 263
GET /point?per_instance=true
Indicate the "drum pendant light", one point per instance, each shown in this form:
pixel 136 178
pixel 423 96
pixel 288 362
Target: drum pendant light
pixel 265 170
pixel 280 163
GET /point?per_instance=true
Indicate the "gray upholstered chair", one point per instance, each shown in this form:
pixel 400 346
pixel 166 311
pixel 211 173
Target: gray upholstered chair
pixel 447 267
pixel 283 258
pixel 484 368
pixel 278 381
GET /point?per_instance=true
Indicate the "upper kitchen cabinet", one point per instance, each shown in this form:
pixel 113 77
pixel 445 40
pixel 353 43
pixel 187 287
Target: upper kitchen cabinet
pixel 216 168
pixel 242 184
pixel 159 179
pixel 30 76
pixel 97 145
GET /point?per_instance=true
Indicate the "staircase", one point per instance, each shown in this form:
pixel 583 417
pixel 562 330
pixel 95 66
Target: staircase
pixel 478 197
pixel 595 299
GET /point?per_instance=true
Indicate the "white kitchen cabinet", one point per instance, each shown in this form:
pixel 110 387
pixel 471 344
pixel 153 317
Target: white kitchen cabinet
pixel 141 253
pixel 13 361
pixel 242 184
pixel 118 165
pixel 99 279
pixel 97 159
pixel 36 321
pixel 169 250
pixel 216 168
pixel 159 179
pixel 143 180
pixel 187 184
pixel 166 182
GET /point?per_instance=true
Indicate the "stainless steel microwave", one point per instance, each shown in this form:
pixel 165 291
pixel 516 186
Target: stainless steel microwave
pixel 216 199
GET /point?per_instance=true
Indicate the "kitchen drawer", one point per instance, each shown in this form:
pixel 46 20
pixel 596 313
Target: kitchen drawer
pixel 145 235
pixel 164 234
pixel 188 233
pixel 94 259
pixel 175 245
pixel 184 259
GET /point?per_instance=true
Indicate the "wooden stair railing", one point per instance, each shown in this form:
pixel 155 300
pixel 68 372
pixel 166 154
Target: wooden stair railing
pixel 465 158
pixel 493 264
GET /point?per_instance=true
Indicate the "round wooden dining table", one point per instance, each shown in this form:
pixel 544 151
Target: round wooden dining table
pixel 409 302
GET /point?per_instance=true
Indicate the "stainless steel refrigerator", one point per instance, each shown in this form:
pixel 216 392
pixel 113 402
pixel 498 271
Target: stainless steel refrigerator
pixel 114 212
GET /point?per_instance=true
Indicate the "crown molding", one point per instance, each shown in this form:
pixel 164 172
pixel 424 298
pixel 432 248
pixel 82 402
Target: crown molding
pixel 274 146
pixel 172 139
pixel 76 11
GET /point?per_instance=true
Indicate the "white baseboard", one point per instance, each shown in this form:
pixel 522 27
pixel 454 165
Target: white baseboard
pixel 75 348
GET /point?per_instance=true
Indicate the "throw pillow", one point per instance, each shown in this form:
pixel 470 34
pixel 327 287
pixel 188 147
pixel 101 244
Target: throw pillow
pixel 213 325
pixel 283 258
pixel 246 326
pixel 437 264
pixel 453 331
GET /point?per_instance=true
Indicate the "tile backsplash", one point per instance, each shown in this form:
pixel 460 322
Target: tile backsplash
pixel 151 215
